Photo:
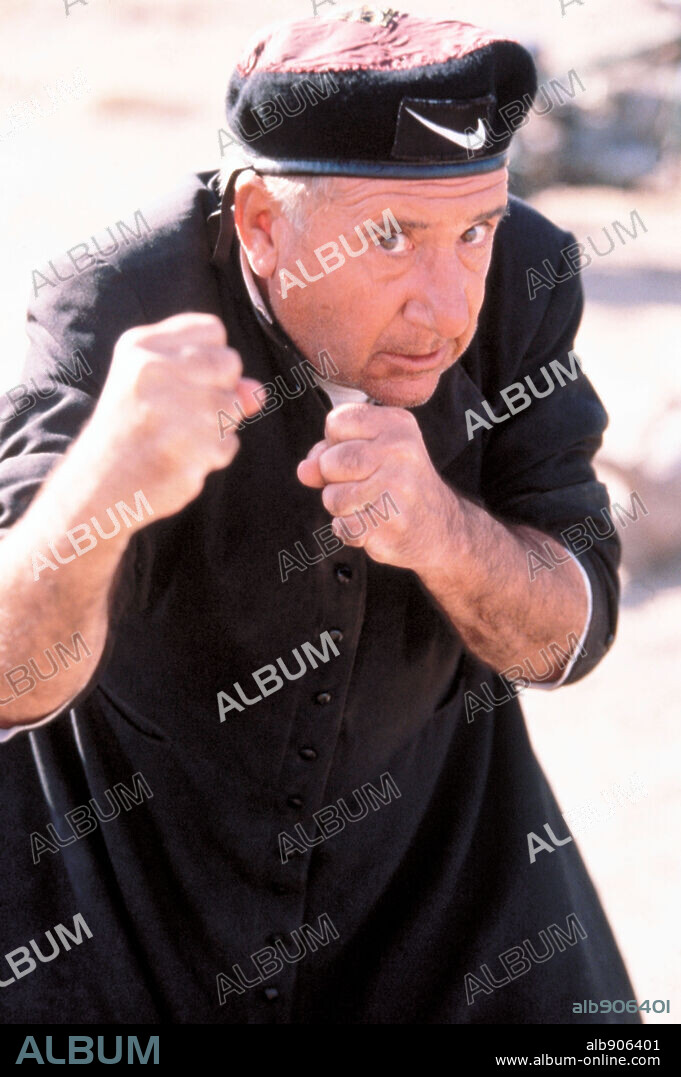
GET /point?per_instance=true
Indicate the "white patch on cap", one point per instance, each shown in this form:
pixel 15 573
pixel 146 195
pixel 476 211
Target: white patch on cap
pixel 472 141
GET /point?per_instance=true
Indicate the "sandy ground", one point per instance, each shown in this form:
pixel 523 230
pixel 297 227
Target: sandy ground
pixel 155 75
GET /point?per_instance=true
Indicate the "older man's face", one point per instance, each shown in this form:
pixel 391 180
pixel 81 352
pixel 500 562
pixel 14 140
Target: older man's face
pixel 397 316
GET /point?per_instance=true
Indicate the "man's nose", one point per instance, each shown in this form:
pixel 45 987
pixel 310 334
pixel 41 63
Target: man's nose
pixel 437 299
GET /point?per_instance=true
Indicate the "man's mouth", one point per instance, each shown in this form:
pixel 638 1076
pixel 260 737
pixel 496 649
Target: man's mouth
pixel 416 362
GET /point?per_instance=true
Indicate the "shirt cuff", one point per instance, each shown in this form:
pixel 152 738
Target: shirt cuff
pixel 580 645
pixel 7 734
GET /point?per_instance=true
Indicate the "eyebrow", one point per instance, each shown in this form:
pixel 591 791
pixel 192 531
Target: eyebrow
pixel 500 212
pixel 487 215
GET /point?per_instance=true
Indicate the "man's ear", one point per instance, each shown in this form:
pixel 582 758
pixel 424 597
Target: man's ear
pixel 255 213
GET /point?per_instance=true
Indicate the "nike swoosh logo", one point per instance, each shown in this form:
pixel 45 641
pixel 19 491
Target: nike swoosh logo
pixel 473 141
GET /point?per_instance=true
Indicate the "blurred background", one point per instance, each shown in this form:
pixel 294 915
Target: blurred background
pixel 104 108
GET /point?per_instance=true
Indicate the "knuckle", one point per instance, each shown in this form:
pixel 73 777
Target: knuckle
pixel 211 321
pixel 230 448
pixel 132 338
pixel 214 330
pixel 214 362
pixel 238 409
pixel 233 360
pixel 195 478
pixel 192 357
pixel 352 529
pixel 331 499
pixel 349 540
pixel 348 500
pixel 405 417
pixel 351 457
pixel 229 445
pixel 326 466
pixel 336 421
pixel 199 321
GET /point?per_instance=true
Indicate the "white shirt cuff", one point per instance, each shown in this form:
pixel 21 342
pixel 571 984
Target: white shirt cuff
pixel 580 646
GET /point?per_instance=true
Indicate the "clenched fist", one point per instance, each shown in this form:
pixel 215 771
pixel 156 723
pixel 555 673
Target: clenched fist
pixel 369 452
pixel 154 427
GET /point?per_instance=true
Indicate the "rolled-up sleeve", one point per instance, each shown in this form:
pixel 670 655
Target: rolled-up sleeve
pixel 579 647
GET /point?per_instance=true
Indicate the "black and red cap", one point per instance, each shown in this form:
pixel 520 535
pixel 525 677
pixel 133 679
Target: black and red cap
pixel 377 92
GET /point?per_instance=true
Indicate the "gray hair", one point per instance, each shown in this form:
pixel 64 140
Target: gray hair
pixel 298 196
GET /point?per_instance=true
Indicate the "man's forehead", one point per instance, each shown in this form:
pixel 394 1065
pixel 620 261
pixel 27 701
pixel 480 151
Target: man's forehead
pixel 432 196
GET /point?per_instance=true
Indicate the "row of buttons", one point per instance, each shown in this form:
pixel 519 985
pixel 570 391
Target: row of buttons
pixel 343 574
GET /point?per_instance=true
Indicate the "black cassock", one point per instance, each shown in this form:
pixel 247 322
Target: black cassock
pixel 415 884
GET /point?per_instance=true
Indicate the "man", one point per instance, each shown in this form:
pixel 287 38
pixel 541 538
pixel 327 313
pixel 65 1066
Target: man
pixel 275 770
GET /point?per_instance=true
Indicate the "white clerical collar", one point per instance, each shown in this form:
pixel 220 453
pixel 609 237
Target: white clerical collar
pixel 337 394
pixel 341 394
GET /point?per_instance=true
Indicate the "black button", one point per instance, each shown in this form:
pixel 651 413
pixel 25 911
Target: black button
pixel 271 993
pixel 336 635
pixel 307 753
pixel 343 573
pixel 323 697
pixel 272 940
pixel 281 889
pixel 295 802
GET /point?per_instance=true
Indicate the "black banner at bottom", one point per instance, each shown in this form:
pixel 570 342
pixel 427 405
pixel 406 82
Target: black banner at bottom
pixel 501 1047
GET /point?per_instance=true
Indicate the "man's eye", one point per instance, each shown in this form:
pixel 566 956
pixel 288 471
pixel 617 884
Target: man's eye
pixel 396 244
pixel 477 234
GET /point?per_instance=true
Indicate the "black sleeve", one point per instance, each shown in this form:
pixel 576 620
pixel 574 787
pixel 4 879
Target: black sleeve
pixel 537 465
pixel 72 329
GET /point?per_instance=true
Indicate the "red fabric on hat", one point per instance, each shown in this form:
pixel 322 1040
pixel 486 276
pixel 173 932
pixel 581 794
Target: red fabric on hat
pixel 316 45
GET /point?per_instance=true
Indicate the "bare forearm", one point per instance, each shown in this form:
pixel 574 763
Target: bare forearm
pixel 478 574
pixel 62 609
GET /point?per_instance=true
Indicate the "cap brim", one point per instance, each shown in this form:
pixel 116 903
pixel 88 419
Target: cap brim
pixel 377 169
